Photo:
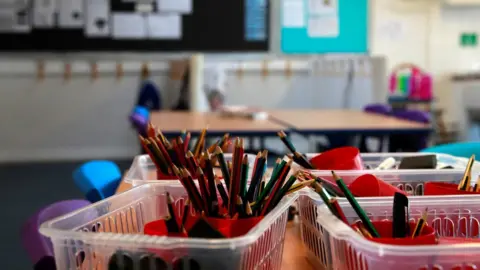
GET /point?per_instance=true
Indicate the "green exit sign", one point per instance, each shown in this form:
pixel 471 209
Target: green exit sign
pixel 468 40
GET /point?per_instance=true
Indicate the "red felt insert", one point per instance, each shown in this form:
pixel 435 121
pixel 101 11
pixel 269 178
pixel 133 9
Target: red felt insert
pixel 162 176
pixel 342 158
pixel 369 185
pixel 384 228
pixel 433 188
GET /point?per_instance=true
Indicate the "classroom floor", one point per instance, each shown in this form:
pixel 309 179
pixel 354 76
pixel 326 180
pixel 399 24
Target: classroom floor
pixel 26 188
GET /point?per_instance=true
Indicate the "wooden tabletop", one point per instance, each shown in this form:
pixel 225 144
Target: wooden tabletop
pixel 342 120
pixel 294 253
pixel 169 121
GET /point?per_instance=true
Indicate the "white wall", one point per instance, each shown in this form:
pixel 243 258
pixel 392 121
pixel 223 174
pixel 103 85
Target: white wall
pixel 85 119
pixel 429 37
pixel 81 118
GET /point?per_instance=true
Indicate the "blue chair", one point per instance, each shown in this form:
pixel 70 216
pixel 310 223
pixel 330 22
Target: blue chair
pixel 97 179
pixel 461 149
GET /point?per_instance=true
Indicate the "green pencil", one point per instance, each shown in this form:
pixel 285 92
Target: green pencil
pixel 351 199
pixel 243 178
pixel 325 198
pixel 223 166
pixel 268 187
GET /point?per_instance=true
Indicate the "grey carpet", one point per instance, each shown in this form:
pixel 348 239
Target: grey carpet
pixel 26 188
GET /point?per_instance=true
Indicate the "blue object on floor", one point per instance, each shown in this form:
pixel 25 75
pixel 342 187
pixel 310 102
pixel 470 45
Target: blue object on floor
pixel 97 179
pixel 461 149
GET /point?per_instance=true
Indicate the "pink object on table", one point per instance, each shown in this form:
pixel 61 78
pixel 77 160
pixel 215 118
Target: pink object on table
pixel 393 83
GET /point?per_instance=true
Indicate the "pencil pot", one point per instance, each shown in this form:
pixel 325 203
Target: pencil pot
pixel 432 188
pixel 334 245
pixel 111 232
pixel 143 171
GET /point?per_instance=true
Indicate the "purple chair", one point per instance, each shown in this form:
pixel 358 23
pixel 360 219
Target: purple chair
pixel 410 142
pixel 377 108
pixel 39 248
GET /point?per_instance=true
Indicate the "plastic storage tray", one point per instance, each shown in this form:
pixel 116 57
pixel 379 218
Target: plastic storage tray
pixel 143 171
pixel 332 244
pixel 374 159
pixel 87 238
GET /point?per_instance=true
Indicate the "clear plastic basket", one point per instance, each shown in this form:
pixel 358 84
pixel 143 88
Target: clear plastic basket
pixel 87 238
pixel 374 159
pixel 332 244
pixel 143 171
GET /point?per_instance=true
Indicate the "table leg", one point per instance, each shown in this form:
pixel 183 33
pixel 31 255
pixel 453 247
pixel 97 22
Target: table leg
pixel 262 142
pixel 251 143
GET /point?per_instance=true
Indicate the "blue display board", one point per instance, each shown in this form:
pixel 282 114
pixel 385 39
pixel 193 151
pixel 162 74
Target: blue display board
pixel 324 26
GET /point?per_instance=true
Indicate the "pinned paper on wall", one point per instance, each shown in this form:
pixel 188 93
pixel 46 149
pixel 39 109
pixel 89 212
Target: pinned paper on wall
pixel 323 26
pixel 177 6
pixel 128 26
pixel 322 7
pixel 70 14
pixel 164 26
pixel 44 13
pixel 293 14
pixel 390 30
pixel 323 18
pixel 97 21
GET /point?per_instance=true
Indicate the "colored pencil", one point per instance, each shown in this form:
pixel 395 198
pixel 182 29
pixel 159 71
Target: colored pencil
pixel 171 220
pixel 243 178
pixel 467 175
pixel 286 141
pixel 186 209
pixel 223 166
pixel 338 210
pixel 351 199
pixel 202 183
pixel 420 224
pixel 256 176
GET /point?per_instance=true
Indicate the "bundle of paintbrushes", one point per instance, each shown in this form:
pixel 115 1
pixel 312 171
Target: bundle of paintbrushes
pixel 216 203
pixel 167 154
